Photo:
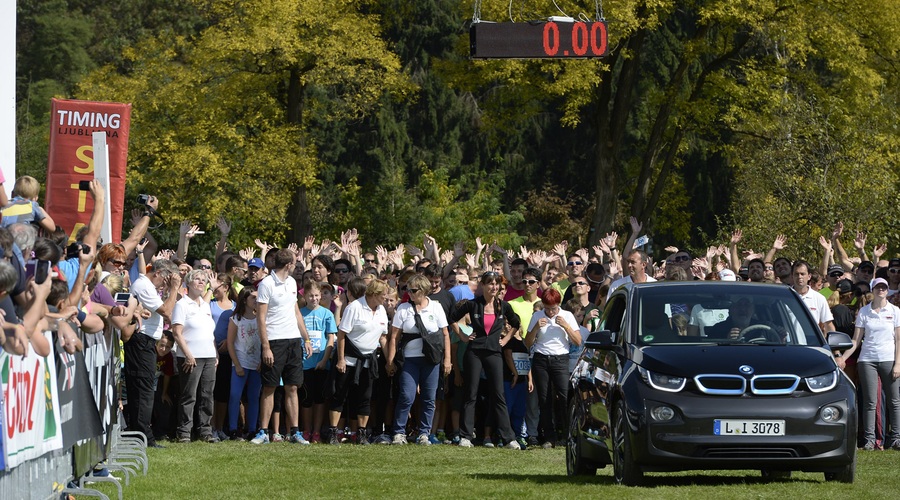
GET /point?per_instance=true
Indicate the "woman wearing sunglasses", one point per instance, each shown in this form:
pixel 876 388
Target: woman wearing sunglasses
pixel 416 370
pixel 489 316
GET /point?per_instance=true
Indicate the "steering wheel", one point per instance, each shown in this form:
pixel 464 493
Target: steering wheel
pixel 768 334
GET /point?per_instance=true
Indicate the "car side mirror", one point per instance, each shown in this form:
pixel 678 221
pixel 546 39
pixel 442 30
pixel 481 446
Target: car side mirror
pixel 839 341
pixel 603 339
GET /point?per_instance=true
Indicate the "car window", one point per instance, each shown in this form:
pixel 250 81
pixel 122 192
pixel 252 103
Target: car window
pixel 615 315
pixel 721 314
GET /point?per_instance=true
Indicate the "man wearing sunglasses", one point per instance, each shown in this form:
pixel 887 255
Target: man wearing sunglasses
pixel 523 306
pixel 893 277
pixel 574 267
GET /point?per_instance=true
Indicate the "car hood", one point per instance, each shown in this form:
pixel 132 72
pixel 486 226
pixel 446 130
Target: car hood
pixel 689 361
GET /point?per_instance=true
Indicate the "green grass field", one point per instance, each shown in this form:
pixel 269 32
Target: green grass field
pixel 281 470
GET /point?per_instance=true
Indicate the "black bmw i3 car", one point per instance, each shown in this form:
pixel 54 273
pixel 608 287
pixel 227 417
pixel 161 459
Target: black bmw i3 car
pixel 710 375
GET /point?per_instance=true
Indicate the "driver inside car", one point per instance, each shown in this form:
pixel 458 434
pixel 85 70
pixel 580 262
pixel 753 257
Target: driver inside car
pixel 741 316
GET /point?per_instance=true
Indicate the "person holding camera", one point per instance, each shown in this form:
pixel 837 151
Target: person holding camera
pixel 140 350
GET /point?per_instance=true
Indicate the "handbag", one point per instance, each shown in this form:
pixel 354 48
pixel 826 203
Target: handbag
pixel 432 342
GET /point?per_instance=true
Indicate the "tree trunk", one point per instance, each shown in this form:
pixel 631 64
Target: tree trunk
pixel 613 107
pixel 298 218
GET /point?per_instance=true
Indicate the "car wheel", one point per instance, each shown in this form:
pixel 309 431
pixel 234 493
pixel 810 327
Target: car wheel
pixel 576 465
pixel 775 475
pixel 846 475
pixel 626 471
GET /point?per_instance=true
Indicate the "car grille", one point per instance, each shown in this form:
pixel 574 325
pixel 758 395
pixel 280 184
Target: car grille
pixel 741 452
pixel 719 384
pixel 774 385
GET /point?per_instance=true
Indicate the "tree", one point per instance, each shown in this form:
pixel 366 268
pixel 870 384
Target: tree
pixel 220 120
pixel 684 77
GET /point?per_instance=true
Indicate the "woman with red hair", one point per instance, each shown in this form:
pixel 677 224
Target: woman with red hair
pixel 550 333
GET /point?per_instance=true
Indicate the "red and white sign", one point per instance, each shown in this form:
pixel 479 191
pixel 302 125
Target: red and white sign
pixel 71 160
pixel 31 420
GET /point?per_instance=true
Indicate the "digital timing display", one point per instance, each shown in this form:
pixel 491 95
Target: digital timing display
pixel 537 40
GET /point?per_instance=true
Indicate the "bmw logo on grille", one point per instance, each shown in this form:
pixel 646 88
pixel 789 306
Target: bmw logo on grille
pixel 746 369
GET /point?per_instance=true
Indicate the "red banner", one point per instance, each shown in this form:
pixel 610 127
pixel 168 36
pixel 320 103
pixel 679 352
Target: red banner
pixel 72 160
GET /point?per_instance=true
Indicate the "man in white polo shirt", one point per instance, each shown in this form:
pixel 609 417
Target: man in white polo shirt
pixel 140 350
pixel 815 301
pixel 281 328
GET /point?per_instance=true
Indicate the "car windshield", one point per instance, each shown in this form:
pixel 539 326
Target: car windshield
pixel 740 315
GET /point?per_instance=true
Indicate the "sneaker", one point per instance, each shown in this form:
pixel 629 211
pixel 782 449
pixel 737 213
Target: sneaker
pixel 184 440
pixel 465 443
pixel 423 440
pixel 442 437
pixel 547 445
pixel 513 445
pixel 298 438
pixel 523 444
pixel 236 436
pixel 362 436
pixel 434 439
pixel 399 439
pixel 211 439
pixel 895 444
pixel 221 435
pixel 382 439
pixel 870 446
pixel 333 436
pixel 316 438
pixel 277 438
pixel 488 443
pixel 532 441
pixel 262 437
pixel 455 439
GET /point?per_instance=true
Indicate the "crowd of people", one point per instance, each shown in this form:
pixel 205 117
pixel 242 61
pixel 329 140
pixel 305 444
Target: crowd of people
pixel 324 342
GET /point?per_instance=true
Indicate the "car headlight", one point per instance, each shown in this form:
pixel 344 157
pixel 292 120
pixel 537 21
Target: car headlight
pixel 662 382
pixel 822 383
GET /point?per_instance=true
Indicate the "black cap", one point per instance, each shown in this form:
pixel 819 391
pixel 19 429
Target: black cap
pixel 894 263
pixel 866 263
pixel 835 269
pixel 844 286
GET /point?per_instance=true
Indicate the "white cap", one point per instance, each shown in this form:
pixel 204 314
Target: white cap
pixel 727 275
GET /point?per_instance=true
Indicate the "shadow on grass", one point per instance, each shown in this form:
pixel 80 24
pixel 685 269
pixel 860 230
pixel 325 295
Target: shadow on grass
pixel 650 481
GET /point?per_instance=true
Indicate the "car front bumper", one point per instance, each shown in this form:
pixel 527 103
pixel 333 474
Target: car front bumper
pixel 687 441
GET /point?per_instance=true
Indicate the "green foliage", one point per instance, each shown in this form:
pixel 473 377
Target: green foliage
pixel 211 132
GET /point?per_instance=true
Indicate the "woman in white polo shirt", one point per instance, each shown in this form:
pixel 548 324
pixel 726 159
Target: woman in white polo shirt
pixel 878 329
pixel 192 327
pixel 363 328
pixel 417 371
pixel 551 332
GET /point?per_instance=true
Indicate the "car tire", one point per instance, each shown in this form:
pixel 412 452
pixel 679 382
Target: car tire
pixel 625 470
pixel 846 475
pixel 775 475
pixel 576 464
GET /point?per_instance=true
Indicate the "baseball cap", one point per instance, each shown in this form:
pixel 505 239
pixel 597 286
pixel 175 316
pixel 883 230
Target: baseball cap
pixel 256 262
pixel 866 263
pixel 878 281
pixel 844 286
pixel 727 275
pixel 835 269
pixel 894 263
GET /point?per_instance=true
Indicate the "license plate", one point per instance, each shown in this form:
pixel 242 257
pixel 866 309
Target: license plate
pixel 748 427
